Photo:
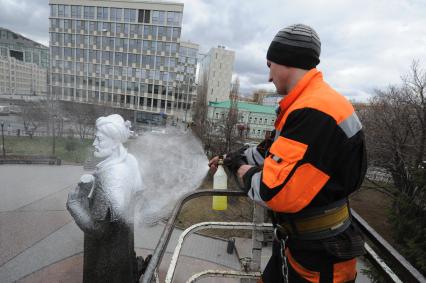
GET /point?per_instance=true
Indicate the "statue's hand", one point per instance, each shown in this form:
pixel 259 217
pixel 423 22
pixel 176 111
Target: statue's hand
pixel 73 200
pixel 86 185
pixel 79 198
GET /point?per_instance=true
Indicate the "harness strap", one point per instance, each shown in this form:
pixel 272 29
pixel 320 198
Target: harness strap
pixel 317 223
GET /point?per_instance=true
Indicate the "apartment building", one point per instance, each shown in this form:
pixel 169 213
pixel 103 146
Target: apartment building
pixel 216 71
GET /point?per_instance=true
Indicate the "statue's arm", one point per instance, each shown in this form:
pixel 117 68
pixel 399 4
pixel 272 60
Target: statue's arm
pixel 78 209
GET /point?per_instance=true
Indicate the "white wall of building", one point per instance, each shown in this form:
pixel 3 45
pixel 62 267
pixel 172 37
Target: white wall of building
pixel 20 78
pixel 217 67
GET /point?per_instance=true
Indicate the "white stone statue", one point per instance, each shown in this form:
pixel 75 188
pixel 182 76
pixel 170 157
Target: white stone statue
pixel 102 206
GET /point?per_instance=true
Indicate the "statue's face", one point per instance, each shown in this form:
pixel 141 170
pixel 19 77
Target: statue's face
pixel 104 146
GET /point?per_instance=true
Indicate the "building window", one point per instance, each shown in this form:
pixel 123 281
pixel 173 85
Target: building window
pixel 89 12
pixel 67 11
pixel 102 13
pixel 132 16
pixel 156 18
pixel 76 12
pixel 127 15
pixel 116 14
pixel 53 10
pixel 144 16
pixel 60 10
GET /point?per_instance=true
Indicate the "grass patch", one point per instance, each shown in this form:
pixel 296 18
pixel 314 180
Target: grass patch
pixel 67 149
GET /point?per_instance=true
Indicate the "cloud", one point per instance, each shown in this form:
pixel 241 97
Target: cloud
pixel 29 18
pixel 365 44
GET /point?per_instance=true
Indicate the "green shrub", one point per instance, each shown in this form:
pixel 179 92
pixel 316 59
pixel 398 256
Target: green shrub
pixel 70 144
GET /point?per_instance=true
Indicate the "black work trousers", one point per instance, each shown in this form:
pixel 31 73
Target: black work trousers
pixel 320 262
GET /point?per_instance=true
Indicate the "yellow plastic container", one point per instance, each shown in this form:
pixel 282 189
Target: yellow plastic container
pixel 220 202
pixel 220 182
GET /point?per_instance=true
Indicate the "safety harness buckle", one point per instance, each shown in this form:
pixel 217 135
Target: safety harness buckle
pixel 280 232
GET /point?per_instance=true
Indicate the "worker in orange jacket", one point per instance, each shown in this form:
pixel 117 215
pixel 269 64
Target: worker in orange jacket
pixel 316 158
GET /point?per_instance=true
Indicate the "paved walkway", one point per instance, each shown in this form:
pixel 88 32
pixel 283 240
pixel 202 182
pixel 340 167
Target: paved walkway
pixel 39 242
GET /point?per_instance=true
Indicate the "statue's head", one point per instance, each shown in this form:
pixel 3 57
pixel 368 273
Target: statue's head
pixel 111 132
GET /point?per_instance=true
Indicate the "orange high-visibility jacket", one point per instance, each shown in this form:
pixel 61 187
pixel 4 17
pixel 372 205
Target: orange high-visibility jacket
pixel 318 155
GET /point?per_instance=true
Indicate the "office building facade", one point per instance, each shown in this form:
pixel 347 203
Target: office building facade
pixel 185 93
pixel 23 65
pixel 116 53
pixel 216 71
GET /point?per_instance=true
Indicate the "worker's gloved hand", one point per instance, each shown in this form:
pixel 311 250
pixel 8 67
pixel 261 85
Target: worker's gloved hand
pixel 235 159
pixel 265 145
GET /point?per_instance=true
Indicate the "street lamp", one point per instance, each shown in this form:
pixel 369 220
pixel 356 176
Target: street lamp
pixel 53 133
pixel 2 137
pixel 178 100
pixel 187 96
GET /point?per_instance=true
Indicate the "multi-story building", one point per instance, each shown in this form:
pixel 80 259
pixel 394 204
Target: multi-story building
pixel 272 99
pixel 216 71
pixel 23 65
pixel 254 120
pixel 120 53
pixel 186 85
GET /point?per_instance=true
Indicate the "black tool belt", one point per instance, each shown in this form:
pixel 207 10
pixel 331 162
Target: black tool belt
pixel 315 223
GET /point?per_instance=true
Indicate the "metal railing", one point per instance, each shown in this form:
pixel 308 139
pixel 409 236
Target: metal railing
pixel 403 268
pixel 209 225
pixel 224 274
pixel 160 249
pixel 396 268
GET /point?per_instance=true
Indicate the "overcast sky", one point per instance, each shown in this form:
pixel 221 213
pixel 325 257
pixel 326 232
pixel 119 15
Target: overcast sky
pixel 365 44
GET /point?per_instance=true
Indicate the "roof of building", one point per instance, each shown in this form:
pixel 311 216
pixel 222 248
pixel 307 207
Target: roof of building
pixel 251 107
pixel 133 4
pixel 19 39
pixel 187 43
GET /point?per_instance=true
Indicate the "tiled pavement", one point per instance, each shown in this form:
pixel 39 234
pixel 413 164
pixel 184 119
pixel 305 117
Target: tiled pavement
pixel 39 242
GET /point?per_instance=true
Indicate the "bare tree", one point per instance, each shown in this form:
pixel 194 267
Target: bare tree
pixel 218 135
pixel 34 114
pixel 415 86
pixel 201 109
pixel 203 126
pixel 83 117
pixel 229 123
pixel 395 129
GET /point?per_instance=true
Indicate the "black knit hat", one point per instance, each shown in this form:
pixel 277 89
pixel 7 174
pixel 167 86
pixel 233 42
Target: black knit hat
pixel 295 46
